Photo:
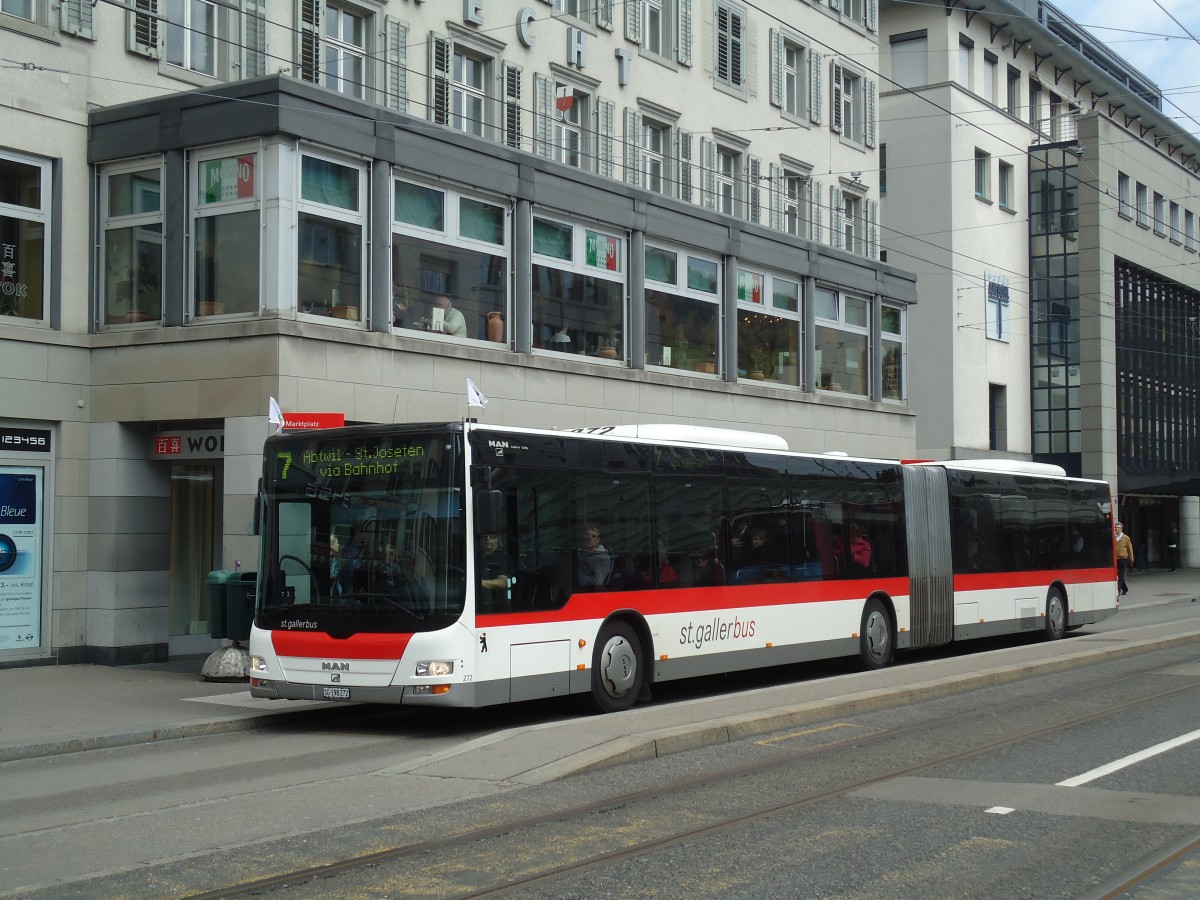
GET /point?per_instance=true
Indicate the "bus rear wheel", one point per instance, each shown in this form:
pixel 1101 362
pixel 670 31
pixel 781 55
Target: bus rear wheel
pixel 875 643
pixel 617 670
pixel 1056 615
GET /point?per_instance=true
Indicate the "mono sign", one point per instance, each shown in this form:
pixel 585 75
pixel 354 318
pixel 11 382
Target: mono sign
pixel 177 445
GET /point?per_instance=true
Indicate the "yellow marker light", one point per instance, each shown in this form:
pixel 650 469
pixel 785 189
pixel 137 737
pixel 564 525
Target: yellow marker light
pixel 582 643
pixel 441 688
pixel 581 667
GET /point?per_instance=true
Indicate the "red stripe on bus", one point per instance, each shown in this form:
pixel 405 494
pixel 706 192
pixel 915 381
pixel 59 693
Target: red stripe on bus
pixel 990 581
pixel 357 646
pixel 693 600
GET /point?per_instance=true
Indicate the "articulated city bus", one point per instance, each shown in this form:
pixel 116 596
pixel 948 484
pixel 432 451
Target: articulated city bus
pixel 466 565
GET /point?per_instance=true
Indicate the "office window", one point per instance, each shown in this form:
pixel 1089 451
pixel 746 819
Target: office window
pixel 842 341
pixel 226 233
pixel 132 280
pixel 1143 205
pixel 966 62
pixel 883 168
pixel 191 35
pixel 1012 96
pixel 726 179
pixel 768 327
pixel 1007 191
pixel 22 9
pixel 1189 231
pixel 853 231
pixel 1124 196
pixel 330 224
pixel 853 104
pixel 464 88
pixel 578 289
pixel 910 59
pixel 207 38
pixel 996 298
pixel 723 177
pixel 730 25
pixel 24 237
pixel 569 133
pixel 1175 234
pixel 660 27
pixel 794 197
pixel 683 309
pixel 450 258
pixel 860 12
pixel 345 51
pixel 1160 214
pixel 991 70
pixel 893 343
pixel 1035 104
pixel 983 174
pixel 789 74
pixel 468 92
pixel 572 126
pixel 655 139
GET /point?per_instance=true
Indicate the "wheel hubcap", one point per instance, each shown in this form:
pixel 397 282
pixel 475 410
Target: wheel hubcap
pixel 619 667
pixel 877 635
pixel 1057 614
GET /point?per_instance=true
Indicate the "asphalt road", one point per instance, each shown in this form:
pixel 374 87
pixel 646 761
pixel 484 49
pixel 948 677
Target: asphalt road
pixel 895 803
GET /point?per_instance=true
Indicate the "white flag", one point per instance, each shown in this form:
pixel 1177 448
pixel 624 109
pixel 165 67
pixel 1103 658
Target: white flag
pixel 275 415
pixel 475 396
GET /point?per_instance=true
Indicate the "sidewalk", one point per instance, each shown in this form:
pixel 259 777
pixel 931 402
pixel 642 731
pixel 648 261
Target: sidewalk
pixel 48 710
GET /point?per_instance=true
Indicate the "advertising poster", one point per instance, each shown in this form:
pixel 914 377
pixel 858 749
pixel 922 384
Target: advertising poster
pixel 20 557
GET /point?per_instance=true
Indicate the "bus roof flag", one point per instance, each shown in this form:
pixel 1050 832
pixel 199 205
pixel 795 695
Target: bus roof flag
pixel 275 416
pixel 475 396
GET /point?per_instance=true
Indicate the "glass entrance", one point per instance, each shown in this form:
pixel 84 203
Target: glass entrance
pixel 194 526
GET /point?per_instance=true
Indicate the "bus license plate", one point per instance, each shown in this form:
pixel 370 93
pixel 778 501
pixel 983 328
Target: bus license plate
pixel 339 693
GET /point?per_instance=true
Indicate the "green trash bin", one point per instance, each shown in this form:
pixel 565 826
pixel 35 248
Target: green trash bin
pixel 231 604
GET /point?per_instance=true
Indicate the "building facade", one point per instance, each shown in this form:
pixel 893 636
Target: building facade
pixel 657 210
pixel 1048 207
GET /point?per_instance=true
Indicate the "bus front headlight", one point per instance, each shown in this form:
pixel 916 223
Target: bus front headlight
pixel 434 668
pixel 257 664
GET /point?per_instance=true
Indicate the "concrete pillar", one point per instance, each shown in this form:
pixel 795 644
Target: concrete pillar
pixel 1189 532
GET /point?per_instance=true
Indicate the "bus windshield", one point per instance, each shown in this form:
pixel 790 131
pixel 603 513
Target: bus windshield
pixel 362 533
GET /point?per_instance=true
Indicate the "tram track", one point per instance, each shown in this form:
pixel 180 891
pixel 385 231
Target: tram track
pixel 498 876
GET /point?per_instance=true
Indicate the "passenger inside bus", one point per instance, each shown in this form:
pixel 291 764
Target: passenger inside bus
pixel 496 570
pixel 594 562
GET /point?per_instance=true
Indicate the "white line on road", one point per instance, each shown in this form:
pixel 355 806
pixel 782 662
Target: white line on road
pixel 1130 760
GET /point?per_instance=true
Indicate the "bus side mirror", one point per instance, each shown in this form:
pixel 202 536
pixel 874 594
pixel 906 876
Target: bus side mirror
pixel 259 502
pixel 489 512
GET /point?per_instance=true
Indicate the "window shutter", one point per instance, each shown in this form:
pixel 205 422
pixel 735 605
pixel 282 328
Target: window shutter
pixel 142 22
pixel 721 63
pixel 439 79
pixel 254 39
pixel 543 107
pixel 396 63
pixel 776 189
pixel 872 15
pixel 75 17
pixel 776 67
pixel 633 140
pixel 685 166
pixel 633 21
pixel 815 93
pixel 754 189
pixel 708 173
pixel 604 14
pixel 835 216
pixel 869 94
pixel 872 229
pixel 308 41
pixel 835 75
pixel 835 5
pixel 812 203
pixel 512 106
pixel 606 111
pixel 736 49
pixel 684 32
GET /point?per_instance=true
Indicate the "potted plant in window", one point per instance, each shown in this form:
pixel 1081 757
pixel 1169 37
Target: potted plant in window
pixel 760 364
pixel 610 348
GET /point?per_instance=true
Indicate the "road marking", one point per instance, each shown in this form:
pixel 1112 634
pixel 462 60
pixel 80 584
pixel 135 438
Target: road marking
pixel 1000 810
pixel 1130 760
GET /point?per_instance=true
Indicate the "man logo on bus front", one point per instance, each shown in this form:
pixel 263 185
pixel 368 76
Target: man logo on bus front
pixel 483 642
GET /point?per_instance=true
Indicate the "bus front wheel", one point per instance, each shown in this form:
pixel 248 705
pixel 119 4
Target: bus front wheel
pixel 617 672
pixel 1056 615
pixel 875 637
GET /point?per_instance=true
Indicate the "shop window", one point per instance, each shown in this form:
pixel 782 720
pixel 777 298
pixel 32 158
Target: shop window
pixel 24 238
pixel 330 222
pixel 449 264
pixel 226 233
pixel 578 289
pixel 683 311
pixel 131 204
pixel 769 329
pixel 842 329
pixel 893 344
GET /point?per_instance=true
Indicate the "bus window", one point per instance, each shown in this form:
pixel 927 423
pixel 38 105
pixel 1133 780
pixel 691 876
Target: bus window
pixel 610 531
pixel 758 527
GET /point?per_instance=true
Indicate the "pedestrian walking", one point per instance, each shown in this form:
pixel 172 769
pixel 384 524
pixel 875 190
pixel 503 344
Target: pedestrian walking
pixel 1124 557
pixel 1173 546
